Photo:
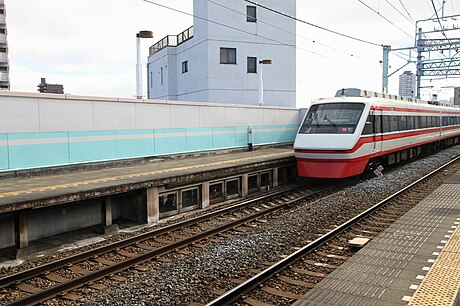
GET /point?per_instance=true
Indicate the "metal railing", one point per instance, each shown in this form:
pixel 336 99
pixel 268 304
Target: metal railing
pixel 172 41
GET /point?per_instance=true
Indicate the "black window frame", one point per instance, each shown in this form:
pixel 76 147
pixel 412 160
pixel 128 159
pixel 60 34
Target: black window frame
pixel 251 13
pixel 254 68
pixel 185 66
pixel 225 56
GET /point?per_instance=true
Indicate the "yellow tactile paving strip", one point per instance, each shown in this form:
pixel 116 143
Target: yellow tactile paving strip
pixel 441 284
pixel 133 175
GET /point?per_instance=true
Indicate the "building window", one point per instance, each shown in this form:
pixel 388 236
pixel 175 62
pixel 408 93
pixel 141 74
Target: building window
pixel 227 55
pixel 161 76
pixel 252 64
pixel 251 14
pixel 185 67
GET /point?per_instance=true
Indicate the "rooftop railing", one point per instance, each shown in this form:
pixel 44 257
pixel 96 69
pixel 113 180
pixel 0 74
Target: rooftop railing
pixel 172 41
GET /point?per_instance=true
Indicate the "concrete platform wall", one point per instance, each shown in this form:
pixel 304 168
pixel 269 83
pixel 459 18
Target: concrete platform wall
pixel 44 130
pixel 6 230
pixel 56 220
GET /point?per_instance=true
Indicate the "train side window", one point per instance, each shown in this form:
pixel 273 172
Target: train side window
pixel 386 124
pixel 378 124
pixel 444 121
pixel 423 122
pixel 435 121
pixel 428 122
pixel 394 123
pixel 410 122
pixel 402 123
pixel 418 122
pixel 452 120
pixel 368 125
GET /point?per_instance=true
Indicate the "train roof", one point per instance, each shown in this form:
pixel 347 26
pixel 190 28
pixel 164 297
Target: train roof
pixel 360 93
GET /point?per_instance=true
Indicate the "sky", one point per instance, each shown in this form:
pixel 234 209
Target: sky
pixel 89 46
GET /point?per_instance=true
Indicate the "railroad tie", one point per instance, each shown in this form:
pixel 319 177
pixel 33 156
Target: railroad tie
pixel 56 278
pixel 254 302
pixel 295 282
pixel 285 294
pixel 309 273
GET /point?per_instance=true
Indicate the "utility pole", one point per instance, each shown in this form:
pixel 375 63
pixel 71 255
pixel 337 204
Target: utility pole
pixel 438 55
pixel 385 64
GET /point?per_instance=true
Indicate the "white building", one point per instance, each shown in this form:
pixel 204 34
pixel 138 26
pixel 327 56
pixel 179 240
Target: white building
pixel 407 85
pixel 217 60
pixel 4 63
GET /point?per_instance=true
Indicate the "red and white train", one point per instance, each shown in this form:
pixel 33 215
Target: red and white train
pixel 343 136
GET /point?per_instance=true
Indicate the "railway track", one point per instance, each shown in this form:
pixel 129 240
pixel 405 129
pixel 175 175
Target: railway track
pixel 285 281
pixel 58 279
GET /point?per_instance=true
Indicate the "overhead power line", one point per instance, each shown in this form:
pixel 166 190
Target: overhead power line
pixel 236 29
pixel 437 17
pixel 313 25
pixel 388 20
pixel 289 32
pixel 401 13
pixel 400 1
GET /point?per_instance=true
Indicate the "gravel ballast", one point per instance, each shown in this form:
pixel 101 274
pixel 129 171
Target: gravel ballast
pixel 192 278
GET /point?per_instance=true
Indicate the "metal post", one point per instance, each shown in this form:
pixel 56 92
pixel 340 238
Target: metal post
pixel 141 34
pixel 138 68
pixel 261 85
pixel 420 49
pixel 386 52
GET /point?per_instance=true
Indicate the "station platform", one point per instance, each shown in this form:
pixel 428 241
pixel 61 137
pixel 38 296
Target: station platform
pixel 40 191
pixel 45 205
pixel 416 261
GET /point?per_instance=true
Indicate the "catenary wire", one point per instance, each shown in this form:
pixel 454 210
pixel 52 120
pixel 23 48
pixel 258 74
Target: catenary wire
pixel 240 30
pixel 437 17
pixel 292 33
pixel 388 20
pixel 313 25
pixel 400 1
pixel 401 13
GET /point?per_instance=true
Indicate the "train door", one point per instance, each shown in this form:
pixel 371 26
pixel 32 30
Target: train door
pixel 377 142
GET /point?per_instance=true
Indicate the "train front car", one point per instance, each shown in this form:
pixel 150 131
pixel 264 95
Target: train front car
pixel 328 142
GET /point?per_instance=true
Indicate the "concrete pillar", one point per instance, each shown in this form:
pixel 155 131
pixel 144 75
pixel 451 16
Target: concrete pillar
pixel 106 216
pixel 205 195
pixel 21 230
pixel 275 178
pixel 244 185
pixel 153 205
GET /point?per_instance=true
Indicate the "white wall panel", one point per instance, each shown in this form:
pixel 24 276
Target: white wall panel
pixel 152 116
pixel 255 116
pixel 212 117
pixel 114 116
pixel 183 116
pixel 235 117
pixel 19 115
pixel 288 117
pixel 65 115
pixel 271 117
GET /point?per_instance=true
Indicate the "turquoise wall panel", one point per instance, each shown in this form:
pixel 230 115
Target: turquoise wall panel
pixel 92 146
pixel 135 143
pixel 31 150
pixel 170 141
pixel 198 139
pixel 241 136
pixel 223 138
pixel 34 150
pixel 284 133
pixel 4 163
pixel 262 135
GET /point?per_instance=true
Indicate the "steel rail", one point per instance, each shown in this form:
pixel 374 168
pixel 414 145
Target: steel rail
pixel 34 272
pixel 235 293
pixel 78 282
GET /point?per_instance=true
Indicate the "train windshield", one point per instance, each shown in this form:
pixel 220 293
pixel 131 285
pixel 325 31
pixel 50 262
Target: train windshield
pixel 332 118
